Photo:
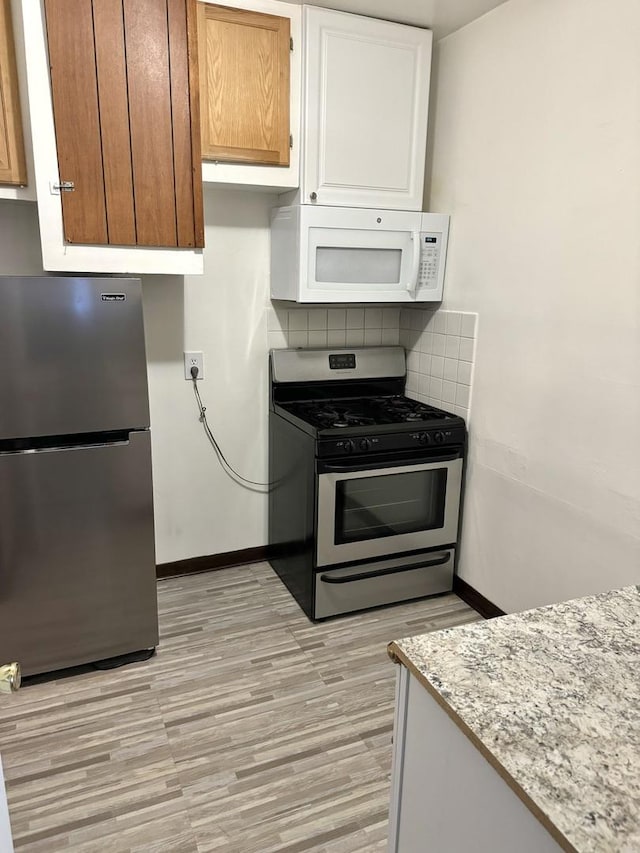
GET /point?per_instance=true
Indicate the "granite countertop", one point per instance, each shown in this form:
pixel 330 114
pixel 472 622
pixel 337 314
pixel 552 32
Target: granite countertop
pixel 551 697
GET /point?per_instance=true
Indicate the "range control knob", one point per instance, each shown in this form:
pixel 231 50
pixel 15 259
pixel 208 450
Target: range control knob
pixel 439 437
pixel 364 444
pixel 347 446
pixel 424 438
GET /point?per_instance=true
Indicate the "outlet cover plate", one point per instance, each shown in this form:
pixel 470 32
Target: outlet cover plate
pixel 193 359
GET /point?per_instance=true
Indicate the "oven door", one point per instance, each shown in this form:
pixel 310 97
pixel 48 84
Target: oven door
pixel 378 508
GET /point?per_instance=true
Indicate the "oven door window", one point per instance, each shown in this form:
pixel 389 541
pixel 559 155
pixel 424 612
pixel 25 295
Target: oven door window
pixel 372 507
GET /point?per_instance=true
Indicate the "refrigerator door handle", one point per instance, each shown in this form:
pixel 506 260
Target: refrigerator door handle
pixel 62 447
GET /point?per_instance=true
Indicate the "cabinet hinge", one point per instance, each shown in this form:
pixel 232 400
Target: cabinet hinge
pixel 291 44
pixel 291 140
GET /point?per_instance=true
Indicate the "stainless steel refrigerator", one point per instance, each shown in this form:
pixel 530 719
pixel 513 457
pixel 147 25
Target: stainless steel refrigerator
pixel 77 557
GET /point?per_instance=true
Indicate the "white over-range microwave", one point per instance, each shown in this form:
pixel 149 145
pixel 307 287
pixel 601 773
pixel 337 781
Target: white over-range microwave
pixel 348 254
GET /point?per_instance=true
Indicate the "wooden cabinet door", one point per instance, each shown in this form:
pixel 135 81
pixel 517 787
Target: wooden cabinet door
pixel 244 85
pixel 13 168
pixel 124 83
pixel 366 107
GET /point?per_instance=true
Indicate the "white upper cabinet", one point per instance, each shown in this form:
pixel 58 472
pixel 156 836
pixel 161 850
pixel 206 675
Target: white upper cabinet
pixel 366 101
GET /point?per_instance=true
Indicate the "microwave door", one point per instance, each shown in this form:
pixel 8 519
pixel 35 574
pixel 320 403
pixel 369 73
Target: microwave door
pixel 361 265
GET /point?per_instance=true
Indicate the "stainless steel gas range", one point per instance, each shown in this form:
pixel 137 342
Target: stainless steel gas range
pixel 365 483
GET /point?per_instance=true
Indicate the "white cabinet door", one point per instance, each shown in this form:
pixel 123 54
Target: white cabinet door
pixel 366 106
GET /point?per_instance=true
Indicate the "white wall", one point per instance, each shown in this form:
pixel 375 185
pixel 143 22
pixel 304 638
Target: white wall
pixel 536 154
pixel 19 238
pixel 199 509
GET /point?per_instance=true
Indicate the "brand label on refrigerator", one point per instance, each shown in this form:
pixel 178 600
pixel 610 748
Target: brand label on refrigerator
pixel 114 297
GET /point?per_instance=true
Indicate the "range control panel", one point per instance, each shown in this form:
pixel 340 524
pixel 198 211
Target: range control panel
pixel 430 243
pixel 342 361
pixel 432 438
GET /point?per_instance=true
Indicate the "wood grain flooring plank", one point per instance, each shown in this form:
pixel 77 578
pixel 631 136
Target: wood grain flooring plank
pixel 251 731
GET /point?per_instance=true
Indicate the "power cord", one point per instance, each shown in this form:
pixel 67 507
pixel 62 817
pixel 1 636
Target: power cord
pixel 230 470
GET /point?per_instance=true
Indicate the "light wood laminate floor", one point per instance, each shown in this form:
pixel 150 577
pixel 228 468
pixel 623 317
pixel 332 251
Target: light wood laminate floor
pixel 251 731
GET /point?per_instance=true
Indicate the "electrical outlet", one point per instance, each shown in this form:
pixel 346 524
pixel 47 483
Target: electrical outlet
pixel 193 359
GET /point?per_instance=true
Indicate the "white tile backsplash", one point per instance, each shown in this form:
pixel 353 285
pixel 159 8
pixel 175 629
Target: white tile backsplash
pixel 390 337
pixel 453 322
pixel 450 371
pixel 336 337
pixel 390 318
pixel 462 395
pixel 452 346
pixel 337 318
pixel 440 352
pixel 355 318
pixel 448 392
pixel 373 318
pixel 440 344
pixel 468 326
pixel 425 363
pixel 355 337
pixel 317 337
pixel 440 322
pixel 437 366
pixel 425 342
pixel 466 349
pixel 317 318
pixel 464 372
pixel 277 339
pixel 298 339
pixel 298 320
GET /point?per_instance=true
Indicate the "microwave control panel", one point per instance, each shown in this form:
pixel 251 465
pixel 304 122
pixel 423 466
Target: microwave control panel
pixel 429 259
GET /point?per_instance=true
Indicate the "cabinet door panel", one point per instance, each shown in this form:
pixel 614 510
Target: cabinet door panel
pixel 75 101
pixel 114 120
pixel 244 60
pixel 182 148
pixel 367 87
pixel 147 40
pixel 12 163
pixel 125 99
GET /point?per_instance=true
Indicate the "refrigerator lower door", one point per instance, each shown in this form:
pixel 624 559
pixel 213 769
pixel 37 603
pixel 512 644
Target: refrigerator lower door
pixel 77 557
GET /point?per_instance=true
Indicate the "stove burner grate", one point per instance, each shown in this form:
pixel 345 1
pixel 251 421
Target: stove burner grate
pixel 365 412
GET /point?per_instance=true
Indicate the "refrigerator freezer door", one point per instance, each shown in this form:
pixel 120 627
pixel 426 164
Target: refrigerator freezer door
pixel 72 356
pixel 77 564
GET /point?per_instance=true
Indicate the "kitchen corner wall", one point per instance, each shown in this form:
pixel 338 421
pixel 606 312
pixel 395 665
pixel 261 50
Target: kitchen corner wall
pixel 536 134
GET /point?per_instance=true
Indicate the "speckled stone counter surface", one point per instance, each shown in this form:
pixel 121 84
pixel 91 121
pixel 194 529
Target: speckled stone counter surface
pixel 552 698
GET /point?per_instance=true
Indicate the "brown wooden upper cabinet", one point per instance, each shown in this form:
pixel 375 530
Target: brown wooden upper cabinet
pixel 13 168
pixel 244 85
pixel 124 82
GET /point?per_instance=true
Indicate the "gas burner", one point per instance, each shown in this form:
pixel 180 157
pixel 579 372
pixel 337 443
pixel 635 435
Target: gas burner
pixel 342 417
pixel 366 411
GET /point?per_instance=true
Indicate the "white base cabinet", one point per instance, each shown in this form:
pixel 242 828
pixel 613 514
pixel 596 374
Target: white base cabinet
pixel 445 796
pixel 366 99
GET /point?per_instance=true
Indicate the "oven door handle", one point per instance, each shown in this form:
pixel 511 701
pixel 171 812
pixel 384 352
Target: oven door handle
pixel 323 468
pixel 378 573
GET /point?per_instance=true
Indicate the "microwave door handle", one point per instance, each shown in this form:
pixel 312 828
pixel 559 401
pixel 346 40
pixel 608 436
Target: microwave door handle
pixel 412 284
